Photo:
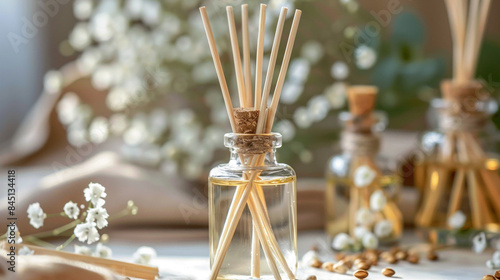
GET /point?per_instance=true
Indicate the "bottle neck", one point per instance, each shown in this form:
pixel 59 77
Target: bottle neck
pixel 361 144
pixel 249 160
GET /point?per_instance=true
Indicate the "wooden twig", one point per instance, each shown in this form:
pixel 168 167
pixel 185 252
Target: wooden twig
pixel 283 70
pixel 270 70
pixel 218 67
pixel 236 57
pixel 119 267
pixel 260 56
pixel 246 55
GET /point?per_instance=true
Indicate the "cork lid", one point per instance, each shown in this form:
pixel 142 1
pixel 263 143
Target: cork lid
pixel 361 99
pixel 246 120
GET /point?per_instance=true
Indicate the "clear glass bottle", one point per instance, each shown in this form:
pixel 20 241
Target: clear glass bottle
pixel 456 168
pixel 276 184
pixel 344 199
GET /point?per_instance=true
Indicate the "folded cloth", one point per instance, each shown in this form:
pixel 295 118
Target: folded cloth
pixel 50 267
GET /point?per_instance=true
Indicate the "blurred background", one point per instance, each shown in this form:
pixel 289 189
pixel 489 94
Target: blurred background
pixel 84 78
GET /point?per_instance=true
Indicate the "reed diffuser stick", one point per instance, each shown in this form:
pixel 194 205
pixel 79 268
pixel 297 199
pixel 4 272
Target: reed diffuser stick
pixel 218 67
pixel 284 67
pixel 260 56
pixel 270 70
pixel 246 55
pixel 236 57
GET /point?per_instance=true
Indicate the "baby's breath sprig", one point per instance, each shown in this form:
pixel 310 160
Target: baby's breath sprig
pixel 87 221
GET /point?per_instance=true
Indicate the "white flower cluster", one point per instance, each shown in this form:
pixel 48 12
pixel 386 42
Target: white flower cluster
pixel 96 215
pixel 369 228
pixel 457 220
pixel 36 215
pixel 144 255
pixel 494 262
pixel 100 251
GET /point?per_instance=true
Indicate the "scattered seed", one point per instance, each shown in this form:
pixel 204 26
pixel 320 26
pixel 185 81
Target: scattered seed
pixel 497 274
pixel 339 256
pixel 432 255
pixel 316 263
pixel 388 272
pixel 489 277
pixel 360 274
pixel 312 277
pixel 340 268
pixel 363 266
pixel 401 255
pixel 327 266
pixel 413 258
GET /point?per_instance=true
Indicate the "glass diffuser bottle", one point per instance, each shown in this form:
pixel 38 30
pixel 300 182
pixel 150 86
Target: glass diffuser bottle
pixel 455 172
pixel 362 186
pixel 274 185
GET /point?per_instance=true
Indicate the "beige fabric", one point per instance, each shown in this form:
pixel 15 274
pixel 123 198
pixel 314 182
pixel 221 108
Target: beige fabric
pixel 53 268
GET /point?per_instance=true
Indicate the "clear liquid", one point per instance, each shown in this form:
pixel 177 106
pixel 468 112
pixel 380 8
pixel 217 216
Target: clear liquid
pixel 280 201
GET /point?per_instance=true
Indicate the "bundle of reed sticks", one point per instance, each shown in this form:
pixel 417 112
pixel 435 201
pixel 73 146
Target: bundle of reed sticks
pixel 254 116
pixel 460 175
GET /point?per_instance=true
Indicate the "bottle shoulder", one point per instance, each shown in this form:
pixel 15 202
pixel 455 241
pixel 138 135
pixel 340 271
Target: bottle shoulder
pixel 236 171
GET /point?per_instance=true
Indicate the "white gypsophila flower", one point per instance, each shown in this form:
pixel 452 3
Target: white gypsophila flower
pixel 71 210
pixel 339 70
pixel 359 232
pixel 318 107
pixel 370 241
pixel 309 257
pixel 336 94
pixel 144 255
pixel 25 251
pixel 83 250
pixel 301 118
pixel 291 92
pixel 312 51
pixel 52 81
pixel 378 200
pixel 298 72
pixel 80 37
pixel 341 241
pixel 364 217
pixel 82 9
pixel 363 176
pixel 87 232
pixel 494 263
pixel 67 108
pixel 365 57
pixel 286 129
pixel 457 220
pixel 479 242
pixel 383 228
pixel 99 130
pixel 102 251
pixel 98 215
pixel 36 215
pixel 95 194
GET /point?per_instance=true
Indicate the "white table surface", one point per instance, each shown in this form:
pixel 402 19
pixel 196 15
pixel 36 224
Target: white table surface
pixel 189 260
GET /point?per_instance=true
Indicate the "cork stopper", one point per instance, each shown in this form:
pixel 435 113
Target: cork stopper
pixel 463 97
pixel 246 120
pixel 361 105
pixel 361 99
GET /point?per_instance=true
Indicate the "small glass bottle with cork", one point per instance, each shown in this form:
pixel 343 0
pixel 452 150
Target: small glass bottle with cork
pixel 362 186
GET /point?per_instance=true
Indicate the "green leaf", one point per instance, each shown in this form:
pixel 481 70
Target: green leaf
pixel 407 29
